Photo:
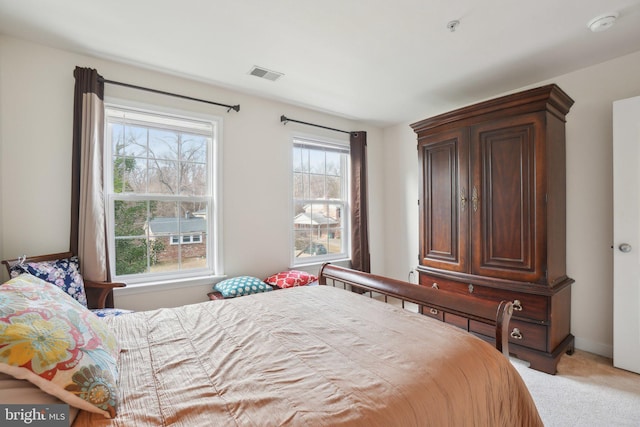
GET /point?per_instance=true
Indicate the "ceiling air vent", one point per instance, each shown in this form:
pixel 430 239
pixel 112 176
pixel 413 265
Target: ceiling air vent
pixel 265 74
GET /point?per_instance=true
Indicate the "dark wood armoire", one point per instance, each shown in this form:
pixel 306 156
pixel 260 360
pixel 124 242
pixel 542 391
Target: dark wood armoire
pixel 492 216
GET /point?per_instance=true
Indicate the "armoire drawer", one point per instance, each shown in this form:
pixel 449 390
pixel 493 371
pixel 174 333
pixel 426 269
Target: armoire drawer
pixel 526 306
pixel 521 333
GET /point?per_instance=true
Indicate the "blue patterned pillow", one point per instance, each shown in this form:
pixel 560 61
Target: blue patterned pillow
pixel 64 273
pixel 241 285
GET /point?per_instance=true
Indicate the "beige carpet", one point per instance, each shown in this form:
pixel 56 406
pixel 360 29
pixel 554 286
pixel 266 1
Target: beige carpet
pixel 586 391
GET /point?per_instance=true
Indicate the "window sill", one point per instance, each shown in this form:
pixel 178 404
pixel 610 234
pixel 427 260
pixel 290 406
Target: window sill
pixel 344 262
pixel 147 287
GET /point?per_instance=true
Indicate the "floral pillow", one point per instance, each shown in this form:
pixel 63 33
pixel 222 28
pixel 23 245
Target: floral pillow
pixel 51 340
pixel 291 278
pixel 241 285
pixel 64 273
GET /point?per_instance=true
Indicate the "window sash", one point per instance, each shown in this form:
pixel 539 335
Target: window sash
pixel 207 127
pixel 320 225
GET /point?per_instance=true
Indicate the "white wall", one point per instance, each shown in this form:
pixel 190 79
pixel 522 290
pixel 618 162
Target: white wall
pixel 36 108
pixel 589 194
pixel 36 102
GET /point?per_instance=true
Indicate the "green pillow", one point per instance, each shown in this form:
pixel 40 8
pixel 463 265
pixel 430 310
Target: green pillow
pixel 241 285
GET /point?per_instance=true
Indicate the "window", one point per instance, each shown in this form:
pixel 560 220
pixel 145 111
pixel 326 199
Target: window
pixel 160 193
pixel 186 239
pixel 320 176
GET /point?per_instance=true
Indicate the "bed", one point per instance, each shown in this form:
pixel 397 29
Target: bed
pixel 328 355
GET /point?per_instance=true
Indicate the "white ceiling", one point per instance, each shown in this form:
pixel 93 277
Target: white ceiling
pixel 379 61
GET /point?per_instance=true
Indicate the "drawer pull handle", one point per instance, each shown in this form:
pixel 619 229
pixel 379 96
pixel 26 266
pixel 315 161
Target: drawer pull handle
pixel 433 311
pixel 516 334
pixel 517 305
pixel 435 286
pixel 470 288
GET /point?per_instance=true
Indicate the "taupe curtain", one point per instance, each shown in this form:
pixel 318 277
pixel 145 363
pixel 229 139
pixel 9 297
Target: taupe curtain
pixel 360 258
pixel 88 223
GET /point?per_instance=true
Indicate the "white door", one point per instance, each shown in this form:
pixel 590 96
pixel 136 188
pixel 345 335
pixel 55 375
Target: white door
pixel 626 234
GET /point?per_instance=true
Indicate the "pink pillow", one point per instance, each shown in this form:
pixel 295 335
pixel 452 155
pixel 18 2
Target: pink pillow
pixel 291 278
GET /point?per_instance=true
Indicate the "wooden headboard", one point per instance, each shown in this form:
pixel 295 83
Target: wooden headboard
pixel 429 301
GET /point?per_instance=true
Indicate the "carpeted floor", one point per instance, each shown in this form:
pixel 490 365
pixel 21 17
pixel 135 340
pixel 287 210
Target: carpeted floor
pixel 587 391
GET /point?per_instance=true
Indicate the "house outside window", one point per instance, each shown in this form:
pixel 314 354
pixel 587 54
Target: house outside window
pixel 320 197
pixel 161 180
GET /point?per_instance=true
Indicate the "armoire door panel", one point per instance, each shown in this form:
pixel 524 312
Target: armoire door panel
pixel 504 173
pixel 444 200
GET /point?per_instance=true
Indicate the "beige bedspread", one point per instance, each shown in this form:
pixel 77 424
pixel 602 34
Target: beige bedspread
pixel 308 356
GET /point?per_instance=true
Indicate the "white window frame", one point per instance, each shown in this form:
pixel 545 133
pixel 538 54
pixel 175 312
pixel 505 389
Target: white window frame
pixel 322 141
pixel 214 268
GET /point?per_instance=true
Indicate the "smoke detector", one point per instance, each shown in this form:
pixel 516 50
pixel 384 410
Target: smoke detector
pixel 602 22
pixel 265 74
pixel 453 25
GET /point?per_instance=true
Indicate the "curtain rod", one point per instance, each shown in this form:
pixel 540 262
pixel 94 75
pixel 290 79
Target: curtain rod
pixel 284 119
pixel 230 107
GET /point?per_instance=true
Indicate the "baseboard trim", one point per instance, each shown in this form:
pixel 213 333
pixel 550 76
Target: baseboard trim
pixel 601 349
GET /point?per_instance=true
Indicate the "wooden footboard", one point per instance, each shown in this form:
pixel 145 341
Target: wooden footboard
pixel 428 301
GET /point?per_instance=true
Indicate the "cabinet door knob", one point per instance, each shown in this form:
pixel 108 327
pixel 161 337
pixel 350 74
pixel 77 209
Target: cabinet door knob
pixel 516 334
pixel 435 286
